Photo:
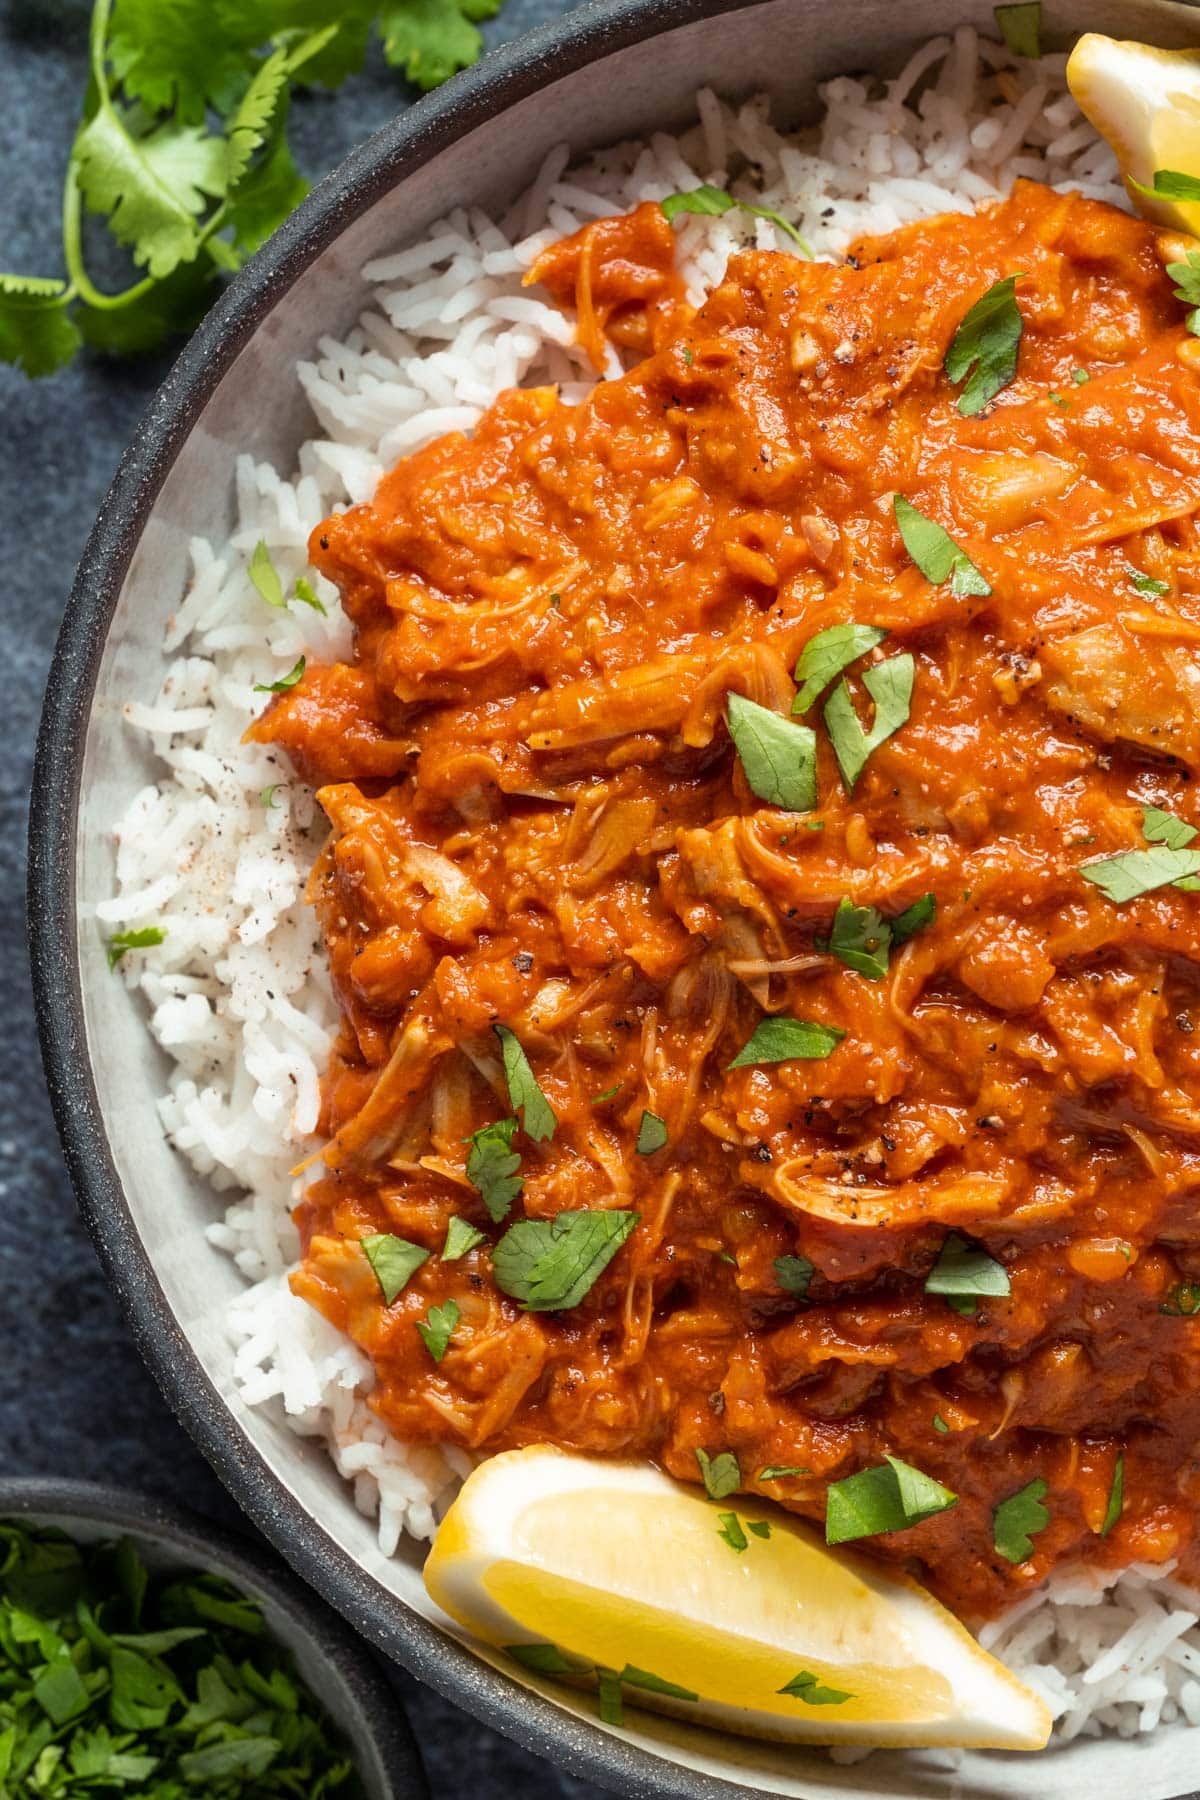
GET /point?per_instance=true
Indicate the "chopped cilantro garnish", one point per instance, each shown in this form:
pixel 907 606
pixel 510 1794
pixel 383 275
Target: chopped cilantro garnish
pixel 1181 1301
pixel 1116 1496
pixel 1161 827
pixel 550 1264
pixel 1132 873
pixel 781 1471
pixel 730 1529
pixel 1020 26
pixel 914 918
pixel 722 1474
pixel 546 1659
pixel 714 202
pixel 936 554
pixel 890 686
pixel 492 1166
pixel 395 1261
pixel 461 1236
pixel 654 1684
pixel 778 756
pixel 860 937
pixel 537 1115
pixel 983 351
pixel 267 797
pixel 285 681
pixel 1017 1521
pixel 1147 584
pixel 612 1710
pixel 1080 376
pixel 265 575
pixel 307 595
pixel 825 656
pixel 116 1678
pixel 963 1272
pixel 1187 276
pixel 782 1039
pixel 1170 184
pixel 143 938
pixel 652 1134
pixel 939 1424
pixel 889 1497
pixel 608 1094
pixel 761 1528
pixel 806 1687
pixel 793 1273
pixel 438 1328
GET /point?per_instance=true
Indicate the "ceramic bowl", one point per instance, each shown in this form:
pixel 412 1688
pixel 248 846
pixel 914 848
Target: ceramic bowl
pixel 605 71
pixel 337 1668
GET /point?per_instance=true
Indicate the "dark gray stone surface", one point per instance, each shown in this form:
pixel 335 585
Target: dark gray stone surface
pixel 74 1398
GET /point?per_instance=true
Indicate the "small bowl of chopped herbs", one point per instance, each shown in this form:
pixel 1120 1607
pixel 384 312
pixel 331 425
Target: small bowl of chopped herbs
pixel 143 1652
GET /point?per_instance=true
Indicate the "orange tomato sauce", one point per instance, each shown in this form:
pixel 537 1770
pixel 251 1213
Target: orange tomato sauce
pixel 539 820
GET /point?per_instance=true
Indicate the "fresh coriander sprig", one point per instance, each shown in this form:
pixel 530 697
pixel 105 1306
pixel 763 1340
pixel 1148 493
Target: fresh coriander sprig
pixel 182 148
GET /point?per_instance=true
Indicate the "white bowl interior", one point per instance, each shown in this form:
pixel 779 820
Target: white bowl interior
pixel 784 47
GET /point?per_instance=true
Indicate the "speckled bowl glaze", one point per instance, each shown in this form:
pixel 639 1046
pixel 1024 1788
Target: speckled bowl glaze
pixel 610 69
pixel 337 1668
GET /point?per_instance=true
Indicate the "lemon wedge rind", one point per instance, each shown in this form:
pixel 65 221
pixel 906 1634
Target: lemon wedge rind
pixel 617 1565
pixel 1146 103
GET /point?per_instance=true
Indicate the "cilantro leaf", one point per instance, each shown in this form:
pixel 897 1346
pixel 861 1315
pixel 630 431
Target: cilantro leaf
pixel 612 1710
pixel 889 1497
pixel 890 686
pixel 721 1474
pixel 652 1134
pixel 175 57
pixel 914 918
pixel 1116 1496
pixel 492 1166
pixel 806 1687
pixel 793 1273
pixel 1186 275
pixel 544 1659
pixel 538 1118
pixel 285 681
pixel 1020 26
pixel 779 1038
pixel 730 1528
pixel 1146 584
pixel 760 1527
pixel 438 1328
pixel 461 1236
pixel 144 938
pixel 935 552
pixel 781 1471
pixel 152 188
pixel 1164 828
pixel 395 1261
pixel 1132 873
pixel 940 1425
pixel 431 39
pixel 963 1272
pixel 307 596
pixel 983 350
pixel 265 576
pixel 826 655
pixel 860 937
pixel 1017 1521
pixel 779 758
pixel 654 1684
pixel 1181 1301
pixel 714 202
pixel 550 1264
pixel 36 330
pixel 1170 184
pixel 150 313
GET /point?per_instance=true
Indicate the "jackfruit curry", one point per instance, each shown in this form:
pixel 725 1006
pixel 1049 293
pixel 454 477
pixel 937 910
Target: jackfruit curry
pixel 763 903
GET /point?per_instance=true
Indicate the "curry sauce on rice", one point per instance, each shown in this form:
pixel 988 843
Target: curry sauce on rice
pixel 758 797
pixel 752 727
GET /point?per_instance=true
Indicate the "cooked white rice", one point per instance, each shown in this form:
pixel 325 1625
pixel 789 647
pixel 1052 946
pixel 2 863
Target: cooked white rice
pixel 238 994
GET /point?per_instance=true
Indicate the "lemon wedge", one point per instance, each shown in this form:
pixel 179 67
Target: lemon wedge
pixel 1146 103
pixel 575 1567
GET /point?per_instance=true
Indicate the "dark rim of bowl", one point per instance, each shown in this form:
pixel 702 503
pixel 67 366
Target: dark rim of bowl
pixel 505 76
pixel 379 1713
